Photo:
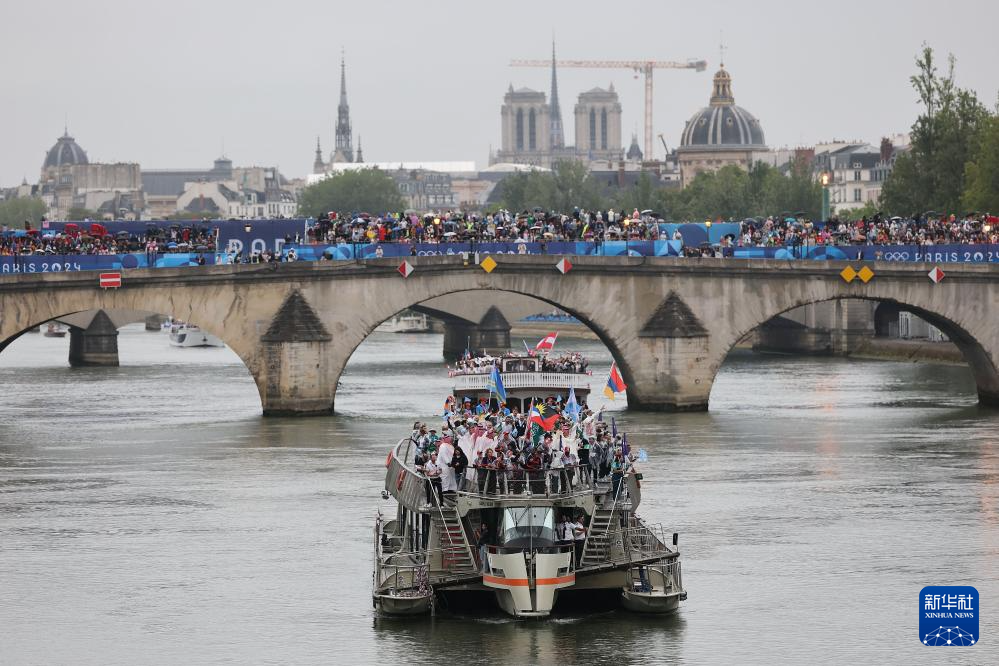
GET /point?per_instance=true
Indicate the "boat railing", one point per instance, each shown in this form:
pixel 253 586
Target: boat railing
pixel 404 483
pixel 567 481
pixel 518 380
pixel 637 544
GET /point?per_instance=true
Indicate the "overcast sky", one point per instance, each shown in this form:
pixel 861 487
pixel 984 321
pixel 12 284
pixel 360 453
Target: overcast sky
pixel 166 83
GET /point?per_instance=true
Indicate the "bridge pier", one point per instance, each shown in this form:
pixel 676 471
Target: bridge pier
pixel 95 345
pixel 491 335
pixel 297 374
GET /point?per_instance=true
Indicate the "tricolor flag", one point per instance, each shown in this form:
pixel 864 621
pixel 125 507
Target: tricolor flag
pixel 615 384
pixel 540 416
pixel 547 342
pixel 495 384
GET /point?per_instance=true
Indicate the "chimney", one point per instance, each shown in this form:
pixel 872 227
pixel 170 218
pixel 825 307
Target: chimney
pixel 886 149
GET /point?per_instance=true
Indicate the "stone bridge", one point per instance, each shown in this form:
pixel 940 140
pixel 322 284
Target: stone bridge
pixel 668 322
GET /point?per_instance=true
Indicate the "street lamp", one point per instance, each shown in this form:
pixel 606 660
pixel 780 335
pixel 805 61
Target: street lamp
pixel 824 179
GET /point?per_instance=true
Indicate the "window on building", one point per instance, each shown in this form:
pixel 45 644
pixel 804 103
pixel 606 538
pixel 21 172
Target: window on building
pixel 519 133
pixel 856 174
pixel 857 194
pixel 593 129
pixel 603 129
pixel 532 132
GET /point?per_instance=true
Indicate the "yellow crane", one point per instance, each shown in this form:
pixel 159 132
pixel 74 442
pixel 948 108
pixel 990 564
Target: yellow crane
pixel 639 66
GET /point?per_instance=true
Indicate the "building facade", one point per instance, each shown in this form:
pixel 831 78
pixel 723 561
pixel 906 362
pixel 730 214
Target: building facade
pixel 69 180
pixel 598 124
pixel 720 134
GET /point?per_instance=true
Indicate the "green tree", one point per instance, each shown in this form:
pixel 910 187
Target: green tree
pixel 854 214
pixel 981 173
pixel 932 175
pixel 569 184
pixel 14 212
pixel 364 190
pixel 78 213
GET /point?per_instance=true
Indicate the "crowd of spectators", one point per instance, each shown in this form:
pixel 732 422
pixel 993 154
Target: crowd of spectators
pixel 581 225
pixel 96 239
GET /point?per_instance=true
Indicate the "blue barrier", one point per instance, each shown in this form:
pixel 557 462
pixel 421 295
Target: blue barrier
pixel 975 254
pixel 342 251
pixel 56 263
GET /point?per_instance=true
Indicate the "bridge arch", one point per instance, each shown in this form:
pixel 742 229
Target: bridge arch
pixel 965 335
pixel 40 317
pixel 603 336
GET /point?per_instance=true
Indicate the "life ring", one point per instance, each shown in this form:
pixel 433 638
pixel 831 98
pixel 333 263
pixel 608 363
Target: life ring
pixel 398 480
pixel 388 458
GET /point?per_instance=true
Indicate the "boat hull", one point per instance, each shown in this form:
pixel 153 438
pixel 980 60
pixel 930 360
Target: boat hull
pixel 650 602
pixel 391 604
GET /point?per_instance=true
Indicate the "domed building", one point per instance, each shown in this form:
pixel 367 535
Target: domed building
pixel 721 133
pixel 70 180
pixel 65 151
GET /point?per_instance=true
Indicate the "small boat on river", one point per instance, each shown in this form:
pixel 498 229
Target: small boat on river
pixel 54 330
pixel 188 335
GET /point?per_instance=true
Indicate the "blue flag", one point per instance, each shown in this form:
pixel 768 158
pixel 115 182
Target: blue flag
pixel 496 384
pixel 571 406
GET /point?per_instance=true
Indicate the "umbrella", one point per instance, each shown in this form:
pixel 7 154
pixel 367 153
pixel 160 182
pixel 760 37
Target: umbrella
pixel 450 233
pixel 647 211
pixel 171 245
pixel 536 227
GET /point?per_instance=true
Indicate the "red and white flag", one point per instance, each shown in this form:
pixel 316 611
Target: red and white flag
pixel 405 269
pixel 936 274
pixel 547 342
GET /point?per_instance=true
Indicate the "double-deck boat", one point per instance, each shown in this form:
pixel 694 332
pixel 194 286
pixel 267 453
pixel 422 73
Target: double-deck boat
pixel 406 323
pixel 426 553
pixel 527 378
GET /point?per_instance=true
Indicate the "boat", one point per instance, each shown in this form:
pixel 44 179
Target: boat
pixel 189 335
pixel 406 323
pixel 54 330
pixel 561 538
pixel 526 378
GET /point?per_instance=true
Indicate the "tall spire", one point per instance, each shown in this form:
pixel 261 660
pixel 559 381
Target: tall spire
pixel 343 79
pixel 557 137
pixel 343 150
pixel 317 164
pixel 359 157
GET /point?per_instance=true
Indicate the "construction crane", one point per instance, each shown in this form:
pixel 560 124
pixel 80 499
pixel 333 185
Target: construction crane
pixel 639 66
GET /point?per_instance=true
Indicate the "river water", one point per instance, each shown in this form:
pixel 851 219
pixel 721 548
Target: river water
pixel 148 514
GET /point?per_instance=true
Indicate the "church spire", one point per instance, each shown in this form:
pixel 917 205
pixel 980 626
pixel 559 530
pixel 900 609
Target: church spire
pixel 557 137
pixel 343 150
pixel 359 157
pixel 317 165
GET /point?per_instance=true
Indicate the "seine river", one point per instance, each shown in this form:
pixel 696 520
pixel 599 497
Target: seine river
pixel 149 515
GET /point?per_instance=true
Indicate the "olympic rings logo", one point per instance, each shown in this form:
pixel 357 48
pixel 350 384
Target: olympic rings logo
pixel 895 256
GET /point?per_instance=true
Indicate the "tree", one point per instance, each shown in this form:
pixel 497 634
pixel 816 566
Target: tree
pixel 14 212
pixel 869 209
pixel 932 175
pixel 981 174
pixel 364 190
pixel 78 213
pixel 568 185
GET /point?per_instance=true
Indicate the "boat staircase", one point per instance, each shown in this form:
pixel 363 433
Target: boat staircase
pixel 456 553
pixel 598 535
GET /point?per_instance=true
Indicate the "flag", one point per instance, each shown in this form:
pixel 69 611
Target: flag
pixel 615 384
pixel 571 406
pixel 613 427
pixel 495 384
pixel 540 416
pixel 449 404
pixel 624 445
pixel 547 342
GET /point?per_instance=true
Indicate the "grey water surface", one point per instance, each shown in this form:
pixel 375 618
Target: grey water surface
pixel 150 515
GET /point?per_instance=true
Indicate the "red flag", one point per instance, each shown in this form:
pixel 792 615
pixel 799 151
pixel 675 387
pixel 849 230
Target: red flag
pixel 547 342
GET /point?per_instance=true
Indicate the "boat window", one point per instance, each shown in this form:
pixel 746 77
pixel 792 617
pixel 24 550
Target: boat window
pixel 528 527
pixel 519 365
